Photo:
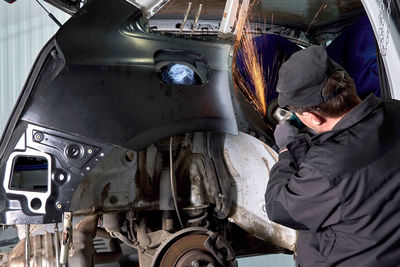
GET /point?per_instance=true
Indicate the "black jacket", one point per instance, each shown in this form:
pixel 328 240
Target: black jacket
pixel 341 189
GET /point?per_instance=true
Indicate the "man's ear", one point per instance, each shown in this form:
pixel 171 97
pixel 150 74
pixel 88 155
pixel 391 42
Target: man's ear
pixel 314 118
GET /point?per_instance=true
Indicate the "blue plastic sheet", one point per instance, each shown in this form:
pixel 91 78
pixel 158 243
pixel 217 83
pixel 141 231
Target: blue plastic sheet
pixel 273 50
pixel 354 49
pixel 178 74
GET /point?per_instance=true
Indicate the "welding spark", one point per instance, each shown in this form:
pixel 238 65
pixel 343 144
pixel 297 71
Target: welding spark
pixel 322 8
pixel 253 65
pixel 316 15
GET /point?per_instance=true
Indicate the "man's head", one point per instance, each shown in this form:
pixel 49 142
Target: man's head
pixel 316 88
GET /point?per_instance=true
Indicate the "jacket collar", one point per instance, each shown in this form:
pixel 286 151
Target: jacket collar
pixel 355 115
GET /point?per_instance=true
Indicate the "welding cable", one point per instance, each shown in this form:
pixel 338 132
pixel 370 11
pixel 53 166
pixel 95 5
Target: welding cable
pixel 173 181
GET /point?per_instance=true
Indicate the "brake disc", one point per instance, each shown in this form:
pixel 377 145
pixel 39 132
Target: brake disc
pixel 194 247
pixel 189 251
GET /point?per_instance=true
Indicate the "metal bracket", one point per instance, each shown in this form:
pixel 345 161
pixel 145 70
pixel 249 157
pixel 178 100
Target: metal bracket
pixel 149 7
pixel 235 13
pixel 66 238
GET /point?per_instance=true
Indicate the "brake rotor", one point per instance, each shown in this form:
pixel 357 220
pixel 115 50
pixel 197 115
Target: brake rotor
pixel 188 251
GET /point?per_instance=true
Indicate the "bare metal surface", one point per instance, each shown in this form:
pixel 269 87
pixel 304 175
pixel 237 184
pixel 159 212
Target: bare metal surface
pixel 211 9
pixel 149 7
pixel 297 13
pixel 198 178
pixel 82 248
pixel 229 16
pixel 27 245
pixel 43 252
pixel 392 58
pixel 196 20
pixel 56 240
pixel 185 18
pixel 249 162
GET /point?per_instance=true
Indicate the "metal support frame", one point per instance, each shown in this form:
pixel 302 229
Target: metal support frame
pixel 234 12
pixel 392 58
pixel 66 237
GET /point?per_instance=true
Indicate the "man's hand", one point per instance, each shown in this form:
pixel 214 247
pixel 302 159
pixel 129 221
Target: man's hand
pixel 284 134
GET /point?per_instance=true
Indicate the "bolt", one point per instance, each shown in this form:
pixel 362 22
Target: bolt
pixel 195 264
pixel 101 154
pixel 61 177
pixel 88 168
pixel 73 151
pixel 38 137
pixel 113 200
pixel 59 206
pixel 90 151
pixel 196 179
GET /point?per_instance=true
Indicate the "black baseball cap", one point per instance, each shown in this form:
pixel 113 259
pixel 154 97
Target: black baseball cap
pixel 303 76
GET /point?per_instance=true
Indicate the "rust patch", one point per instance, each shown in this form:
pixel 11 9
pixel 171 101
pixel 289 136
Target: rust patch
pixel 230 166
pixel 85 184
pixel 104 193
pixel 271 152
pixel 266 164
pixel 143 183
pixel 143 180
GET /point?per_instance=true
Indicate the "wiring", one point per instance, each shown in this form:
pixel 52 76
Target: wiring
pixel 173 181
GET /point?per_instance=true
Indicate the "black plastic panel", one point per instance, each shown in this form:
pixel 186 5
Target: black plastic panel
pixel 67 172
pixel 110 89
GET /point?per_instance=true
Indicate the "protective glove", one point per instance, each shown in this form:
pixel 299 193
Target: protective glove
pixel 284 134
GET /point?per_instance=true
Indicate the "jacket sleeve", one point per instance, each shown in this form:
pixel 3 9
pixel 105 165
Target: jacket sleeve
pixel 300 199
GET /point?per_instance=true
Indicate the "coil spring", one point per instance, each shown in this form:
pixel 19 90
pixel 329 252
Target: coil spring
pixel 198 220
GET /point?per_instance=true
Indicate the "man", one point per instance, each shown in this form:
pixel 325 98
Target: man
pixel 341 187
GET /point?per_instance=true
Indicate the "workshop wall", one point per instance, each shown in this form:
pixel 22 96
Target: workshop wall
pixel 24 29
